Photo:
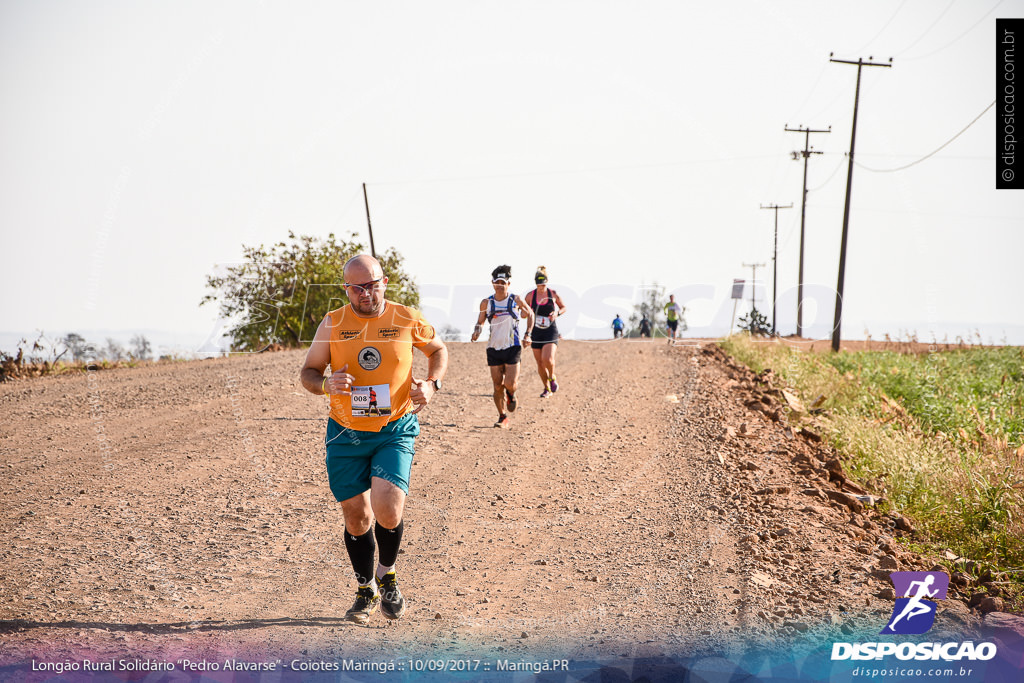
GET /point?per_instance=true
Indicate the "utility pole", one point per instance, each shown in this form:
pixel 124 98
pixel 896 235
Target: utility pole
pixel 803 218
pixel 837 321
pixel 775 264
pixel 373 252
pixel 753 282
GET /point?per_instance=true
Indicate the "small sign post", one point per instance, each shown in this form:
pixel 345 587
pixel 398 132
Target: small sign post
pixel 737 294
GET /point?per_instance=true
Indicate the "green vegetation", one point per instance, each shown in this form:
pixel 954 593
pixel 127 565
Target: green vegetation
pixel 756 323
pixel 938 434
pixel 280 295
pixel 966 395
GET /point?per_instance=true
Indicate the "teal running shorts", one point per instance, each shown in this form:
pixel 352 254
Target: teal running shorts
pixel 353 457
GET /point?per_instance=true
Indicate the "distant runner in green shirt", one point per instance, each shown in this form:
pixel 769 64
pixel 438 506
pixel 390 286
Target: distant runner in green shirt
pixel 672 313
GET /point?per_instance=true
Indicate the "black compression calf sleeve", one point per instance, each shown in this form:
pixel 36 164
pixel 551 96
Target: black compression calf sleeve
pixel 360 552
pixel 389 540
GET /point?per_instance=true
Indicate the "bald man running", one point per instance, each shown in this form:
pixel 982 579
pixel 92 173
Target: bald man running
pixel 368 345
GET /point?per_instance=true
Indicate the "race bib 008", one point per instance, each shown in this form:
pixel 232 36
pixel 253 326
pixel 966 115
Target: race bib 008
pixel 371 400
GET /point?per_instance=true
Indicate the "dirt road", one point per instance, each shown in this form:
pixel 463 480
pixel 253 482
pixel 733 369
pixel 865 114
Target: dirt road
pixel 646 508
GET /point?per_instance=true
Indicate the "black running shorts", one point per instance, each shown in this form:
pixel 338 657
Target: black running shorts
pixel 542 336
pixel 509 356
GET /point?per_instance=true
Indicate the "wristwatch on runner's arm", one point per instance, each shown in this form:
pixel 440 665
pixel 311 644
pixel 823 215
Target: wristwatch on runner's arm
pixel 436 383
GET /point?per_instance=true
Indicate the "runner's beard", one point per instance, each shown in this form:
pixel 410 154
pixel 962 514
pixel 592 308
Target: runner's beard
pixel 370 306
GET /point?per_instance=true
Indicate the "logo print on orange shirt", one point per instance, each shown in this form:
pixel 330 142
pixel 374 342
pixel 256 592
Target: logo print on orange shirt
pixel 369 358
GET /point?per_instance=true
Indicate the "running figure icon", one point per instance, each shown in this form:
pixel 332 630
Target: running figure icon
pixel 915 606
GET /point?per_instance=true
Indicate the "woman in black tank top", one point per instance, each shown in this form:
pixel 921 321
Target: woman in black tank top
pixel 546 306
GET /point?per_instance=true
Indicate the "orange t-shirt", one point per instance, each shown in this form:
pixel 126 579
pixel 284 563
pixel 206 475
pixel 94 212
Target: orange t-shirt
pixel 378 352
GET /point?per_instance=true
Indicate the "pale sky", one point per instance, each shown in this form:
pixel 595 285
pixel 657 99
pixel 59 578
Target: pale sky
pixel 617 143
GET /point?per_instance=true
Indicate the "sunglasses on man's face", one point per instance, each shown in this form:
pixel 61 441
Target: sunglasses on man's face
pixel 365 287
pixel 499 281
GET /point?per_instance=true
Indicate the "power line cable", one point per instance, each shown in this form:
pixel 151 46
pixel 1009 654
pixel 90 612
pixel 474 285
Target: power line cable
pixel 914 163
pixel 348 207
pixel 917 212
pixel 824 67
pixel 911 156
pixel 927 30
pixel 793 225
pixel 881 30
pixel 533 174
pixel 868 88
pixel 828 107
pixel 973 26
pixel 836 170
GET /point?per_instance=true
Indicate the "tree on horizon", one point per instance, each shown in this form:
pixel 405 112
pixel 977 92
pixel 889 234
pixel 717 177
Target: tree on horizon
pixel 279 295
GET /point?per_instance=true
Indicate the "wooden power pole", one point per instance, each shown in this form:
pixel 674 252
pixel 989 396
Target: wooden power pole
pixel 753 284
pixel 837 321
pixel 373 252
pixel 775 263
pixel 807 152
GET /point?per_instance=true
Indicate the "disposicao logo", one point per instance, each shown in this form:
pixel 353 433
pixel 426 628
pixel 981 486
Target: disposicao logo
pixel 914 614
pixel 916 593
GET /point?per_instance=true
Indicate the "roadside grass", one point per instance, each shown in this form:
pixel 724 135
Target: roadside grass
pixel 44 358
pixel 967 395
pixel 939 435
pixel 11 369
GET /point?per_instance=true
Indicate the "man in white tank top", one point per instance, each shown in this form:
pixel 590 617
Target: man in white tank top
pixel 503 311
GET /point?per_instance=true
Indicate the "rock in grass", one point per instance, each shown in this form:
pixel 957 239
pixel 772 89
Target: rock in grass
pixel 846 499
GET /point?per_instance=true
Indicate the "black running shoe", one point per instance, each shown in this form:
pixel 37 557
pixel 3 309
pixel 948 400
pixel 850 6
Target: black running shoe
pixel 392 604
pixel 366 604
pixel 510 399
